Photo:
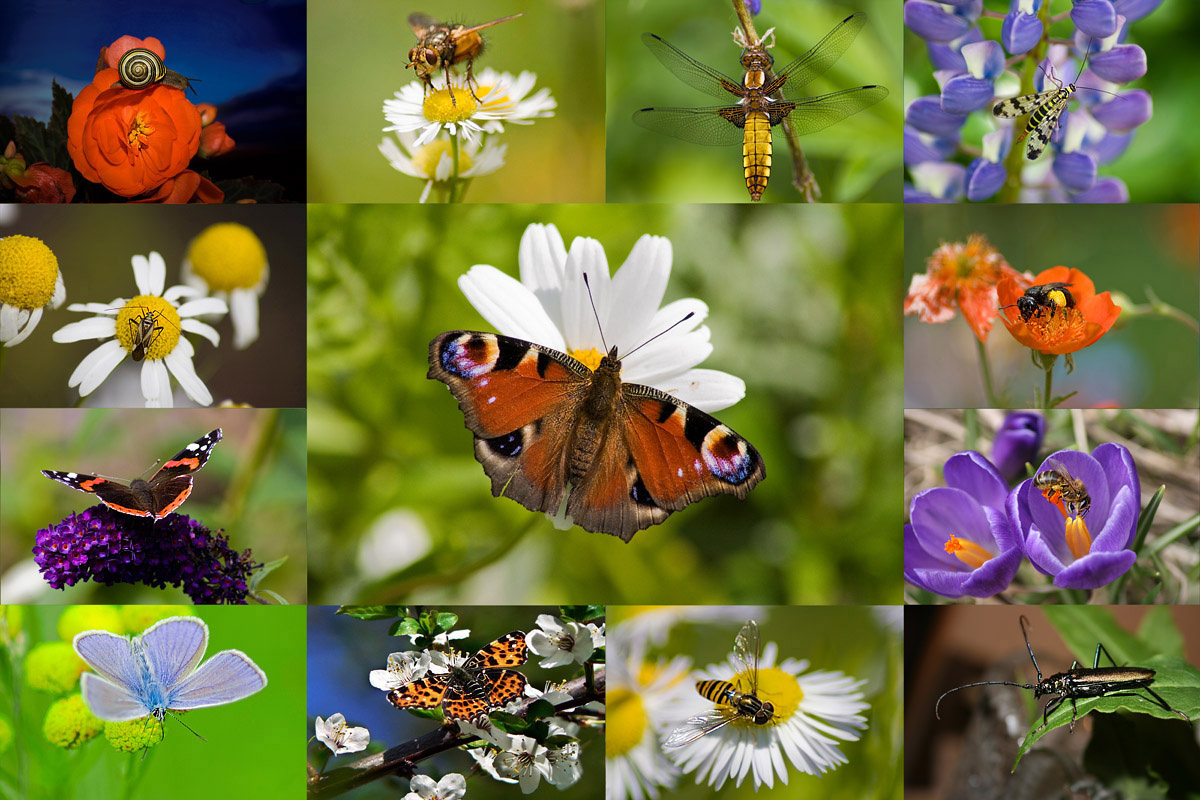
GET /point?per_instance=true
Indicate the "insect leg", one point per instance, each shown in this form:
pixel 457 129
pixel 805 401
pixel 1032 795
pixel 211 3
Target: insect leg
pixel 1050 706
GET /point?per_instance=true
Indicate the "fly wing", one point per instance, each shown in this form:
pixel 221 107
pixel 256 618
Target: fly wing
pixel 111 702
pixel 699 726
pixel 1040 136
pixel 822 55
pixel 746 647
pixel 699 76
pixel 421 24
pixel 227 677
pixel 1021 105
pixel 174 648
pixel 714 125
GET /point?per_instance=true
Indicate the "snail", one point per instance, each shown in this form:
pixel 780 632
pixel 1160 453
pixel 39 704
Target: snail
pixel 141 68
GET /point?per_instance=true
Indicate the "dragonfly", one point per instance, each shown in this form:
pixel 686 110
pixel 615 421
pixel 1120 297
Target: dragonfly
pixel 759 107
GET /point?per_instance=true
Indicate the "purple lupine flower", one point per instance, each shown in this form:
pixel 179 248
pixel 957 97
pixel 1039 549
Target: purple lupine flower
pixel 959 540
pixel 967 67
pixel 1017 442
pixel 1090 550
pixel 103 545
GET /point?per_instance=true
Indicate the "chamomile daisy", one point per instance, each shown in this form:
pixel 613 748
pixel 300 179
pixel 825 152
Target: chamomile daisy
pixel 433 162
pixel 229 262
pixel 30 281
pixel 148 327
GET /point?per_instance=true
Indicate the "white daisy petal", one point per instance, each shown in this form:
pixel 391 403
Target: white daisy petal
pixel 156 275
pixel 244 312
pixel 93 328
pixel 508 306
pixel 660 360
pixel 204 329
pixel 96 366
pixel 586 257
pixel 542 257
pixel 98 308
pixel 180 291
pixel 141 275
pixel 640 283
pixel 425 192
pixel 156 385
pixel 181 367
pixel 9 321
pixel 29 324
pixel 60 291
pixel 207 305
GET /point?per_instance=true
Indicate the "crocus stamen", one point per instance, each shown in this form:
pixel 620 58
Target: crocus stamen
pixel 1078 537
pixel 968 552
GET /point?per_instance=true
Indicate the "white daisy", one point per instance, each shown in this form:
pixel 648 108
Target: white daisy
pixel 229 262
pixel 549 305
pixel 559 643
pixel 339 737
pixel 402 669
pixel 165 348
pixel 434 162
pixel 451 787
pixel 812 713
pixel 512 103
pixel 30 281
pixel 651 625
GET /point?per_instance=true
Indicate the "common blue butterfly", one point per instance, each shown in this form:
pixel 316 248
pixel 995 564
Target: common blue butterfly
pixel 160 671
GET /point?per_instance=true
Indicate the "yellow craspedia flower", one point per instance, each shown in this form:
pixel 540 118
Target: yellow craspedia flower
pixel 28 272
pixel 69 723
pixel 6 734
pixel 138 618
pixel 228 256
pixel 53 667
pixel 134 735
pixel 77 619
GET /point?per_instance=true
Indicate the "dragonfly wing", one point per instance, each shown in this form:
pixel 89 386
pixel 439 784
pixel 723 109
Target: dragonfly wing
pixel 823 54
pixel 715 125
pixel 692 72
pixel 815 113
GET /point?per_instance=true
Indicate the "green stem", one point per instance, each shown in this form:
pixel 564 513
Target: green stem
pixel 1048 386
pixel 1015 161
pixel 986 369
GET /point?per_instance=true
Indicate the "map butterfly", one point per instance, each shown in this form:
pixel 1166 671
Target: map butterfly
pixel 468 692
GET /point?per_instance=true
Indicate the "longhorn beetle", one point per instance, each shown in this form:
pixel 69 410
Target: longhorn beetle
pixel 1078 682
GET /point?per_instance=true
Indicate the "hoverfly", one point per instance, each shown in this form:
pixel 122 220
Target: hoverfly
pixel 731 703
pixel 442 45
pixel 1056 483
pixel 749 122
pixel 1053 296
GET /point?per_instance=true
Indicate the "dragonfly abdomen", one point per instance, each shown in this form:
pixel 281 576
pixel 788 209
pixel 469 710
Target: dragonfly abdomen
pixel 756 154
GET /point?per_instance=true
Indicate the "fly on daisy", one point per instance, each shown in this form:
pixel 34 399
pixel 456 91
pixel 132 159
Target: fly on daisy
pixel 732 703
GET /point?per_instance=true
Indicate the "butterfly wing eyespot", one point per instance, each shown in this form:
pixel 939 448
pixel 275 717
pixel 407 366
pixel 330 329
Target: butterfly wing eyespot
pixel 140 67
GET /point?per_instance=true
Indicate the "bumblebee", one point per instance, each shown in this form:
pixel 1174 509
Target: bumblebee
pixel 1056 482
pixel 1053 296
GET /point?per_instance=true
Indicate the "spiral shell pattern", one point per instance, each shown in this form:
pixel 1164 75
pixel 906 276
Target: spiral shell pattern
pixel 140 68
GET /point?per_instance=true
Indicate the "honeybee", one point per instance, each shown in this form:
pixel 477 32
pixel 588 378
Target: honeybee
pixel 731 703
pixel 1053 296
pixel 442 45
pixel 1056 482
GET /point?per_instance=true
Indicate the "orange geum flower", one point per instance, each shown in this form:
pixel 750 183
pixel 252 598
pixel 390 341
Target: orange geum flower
pixel 1070 322
pixel 962 275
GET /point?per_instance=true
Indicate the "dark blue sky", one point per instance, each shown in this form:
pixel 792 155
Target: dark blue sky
pixel 233 46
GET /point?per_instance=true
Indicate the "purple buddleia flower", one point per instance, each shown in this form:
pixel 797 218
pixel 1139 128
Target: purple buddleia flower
pixel 109 547
pixel 1081 547
pixel 959 540
pixel 948 160
pixel 1017 442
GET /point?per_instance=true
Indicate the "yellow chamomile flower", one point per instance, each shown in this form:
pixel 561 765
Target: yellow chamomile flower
pixel 229 262
pixel 29 282
pixel 433 162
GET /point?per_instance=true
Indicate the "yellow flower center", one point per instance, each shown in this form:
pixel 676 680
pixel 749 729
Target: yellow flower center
pixel 1064 326
pixel 590 358
pixel 1078 537
pixel 426 159
pixel 449 105
pixel 626 722
pixel 775 687
pixel 968 552
pixel 150 323
pixel 28 271
pixel 228 256
pixel 139 132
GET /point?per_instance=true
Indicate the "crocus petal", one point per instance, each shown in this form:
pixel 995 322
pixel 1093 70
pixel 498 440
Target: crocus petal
pixel 1095 570
pixel 1121 525
pixel 972 473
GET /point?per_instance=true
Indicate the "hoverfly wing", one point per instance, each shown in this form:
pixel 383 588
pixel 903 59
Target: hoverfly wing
pixel 699 726
pixel 747 647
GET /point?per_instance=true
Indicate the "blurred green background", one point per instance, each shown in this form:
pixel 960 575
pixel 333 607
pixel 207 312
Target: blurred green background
pixel 863 643
pixel 858 159
pixel 343 650
pixel 356 61
pixel 1171 79
pixel 799 301
pixel 95 246
pixel 252 740
pixel 252 487
pixel 1143 362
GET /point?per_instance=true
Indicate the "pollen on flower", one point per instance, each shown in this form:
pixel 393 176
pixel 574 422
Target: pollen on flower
pixel 426 159
pixel 775 687
pixel 150 321
pixel 138 135
pixel 1079 540
pixel 439 107
pixel 590 358
pixel 1064 326
pixel 28 270
pixel 228 256
pixel 968 552
pixel 626 722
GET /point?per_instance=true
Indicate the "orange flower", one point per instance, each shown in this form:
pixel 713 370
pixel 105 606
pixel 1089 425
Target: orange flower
pixel 188 186
pixel 1064 330
pixel 131 141
pixel 214 141
pixel 42 183
pixel 962 275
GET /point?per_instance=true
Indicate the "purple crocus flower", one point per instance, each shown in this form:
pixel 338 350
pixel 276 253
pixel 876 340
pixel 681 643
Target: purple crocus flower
pixel 1017 442
pixel 1088 550
pixel 106 546
pixel 960 540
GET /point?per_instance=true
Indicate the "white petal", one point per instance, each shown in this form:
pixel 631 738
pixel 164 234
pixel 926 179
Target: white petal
pixel 638 288
pixel 179 291
pixel 245 317
pixel 9 321
pixel 707 389
pixel 664 359
pixel 425 192
pixel 542 257
pixel 98 308
pixel 60 291
pixel 206 305
pixel 28 325
pixel 93 328
pixel 96 366
pixel 156 276
pixel 156 385
pixel 181 367
pixel 441 173
pixel 586 257
pixel 205 330
pixel 508 306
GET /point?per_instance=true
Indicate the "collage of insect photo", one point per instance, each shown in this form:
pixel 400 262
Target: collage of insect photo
pixel 497 323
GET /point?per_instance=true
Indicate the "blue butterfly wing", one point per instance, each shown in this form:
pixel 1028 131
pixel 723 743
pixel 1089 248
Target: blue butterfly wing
pixel 112 657
pixel 173 648
pixel 228 676
pixel 109 701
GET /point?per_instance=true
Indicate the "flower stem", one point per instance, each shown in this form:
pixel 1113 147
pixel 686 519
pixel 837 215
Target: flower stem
pixel 986 369
pixel 1048 387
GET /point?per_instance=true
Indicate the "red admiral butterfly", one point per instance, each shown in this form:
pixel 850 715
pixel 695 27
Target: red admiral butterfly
pixel 163 493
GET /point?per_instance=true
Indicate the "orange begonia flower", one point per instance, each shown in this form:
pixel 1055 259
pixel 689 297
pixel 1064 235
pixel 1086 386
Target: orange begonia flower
pixel 962 275
pixel 214 141
pixel 188 186
pixel 42 183
pixel 1067 329
pixel 131 141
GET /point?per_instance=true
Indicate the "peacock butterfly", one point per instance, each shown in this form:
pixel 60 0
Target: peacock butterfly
pixel 623 455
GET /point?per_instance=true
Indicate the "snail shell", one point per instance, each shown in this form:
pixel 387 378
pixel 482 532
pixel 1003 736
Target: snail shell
pixel 140 68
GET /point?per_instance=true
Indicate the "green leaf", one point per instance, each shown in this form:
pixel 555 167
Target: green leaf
pixel 539 709
pixel 368 612
pixel 429 620
pixel 279 599
pixel 1159 631
pixel 406 627
pixel 1083 627
pixel 264 571
pixel 446 620
pixel 559 741
pixel 508 722
pixel 581 613
pixel 1147 519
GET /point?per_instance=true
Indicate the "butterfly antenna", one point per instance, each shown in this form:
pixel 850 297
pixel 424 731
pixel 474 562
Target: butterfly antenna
pixel 184 724
pixel 689 315
pixel 595 313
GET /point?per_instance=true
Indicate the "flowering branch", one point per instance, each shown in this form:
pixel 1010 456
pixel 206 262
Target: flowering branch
pixel 403 758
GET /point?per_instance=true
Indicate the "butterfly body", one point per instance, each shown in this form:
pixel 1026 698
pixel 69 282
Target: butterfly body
pixel 163 493
pixel 625 456
pixel 468 691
